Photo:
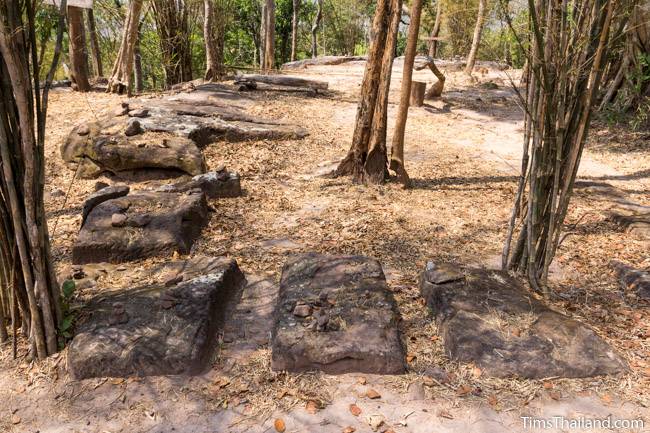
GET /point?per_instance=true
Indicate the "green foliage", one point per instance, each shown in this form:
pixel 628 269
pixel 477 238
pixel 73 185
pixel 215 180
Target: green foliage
pixel 632 103
pixel 345 24
pixel 458 21
pixel 66 326
pixel 68 289
pixel 344 30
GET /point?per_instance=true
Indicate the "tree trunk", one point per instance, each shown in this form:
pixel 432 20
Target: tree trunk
pixel 376 164
pixel 268 35
pixel 25 252
pixel 565 64
pixel 213 70
pixel 262 43
pixel 314 29
pixel 137 72
pixel 284 48
pixel 120 81
pixel 435 33
pixel 94 44
pixel 631 70
pixel 78 53
pixel 294 29
pixel 397 152
pixel 366 160
pixel 476 41
pixel 173 33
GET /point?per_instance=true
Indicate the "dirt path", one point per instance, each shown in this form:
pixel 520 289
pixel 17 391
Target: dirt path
pixel 463 155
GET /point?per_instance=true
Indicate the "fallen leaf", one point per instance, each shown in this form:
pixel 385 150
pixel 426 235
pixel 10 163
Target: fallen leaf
pixel 445 414
pixel 410 358
pixel 492 400
pixel 375 421
pixel 427 381
pixel 222 382
pixel 372 394
pixel 279 425
pixel 355 410
pixel 555 395
pixel 312 406
pixel 117 381
pixel 477 372
pixel 361 380
pixel 606 398
pixel 349 429
pixel 463 390
pixel 434 338
pixel 548 385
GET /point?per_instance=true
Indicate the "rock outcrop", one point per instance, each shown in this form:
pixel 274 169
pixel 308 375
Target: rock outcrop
pixel 335 314
pixel 487 318
pixel 158 329
pixel 141 225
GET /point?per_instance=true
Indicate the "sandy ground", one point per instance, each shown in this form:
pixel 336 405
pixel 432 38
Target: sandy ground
pixel 463 153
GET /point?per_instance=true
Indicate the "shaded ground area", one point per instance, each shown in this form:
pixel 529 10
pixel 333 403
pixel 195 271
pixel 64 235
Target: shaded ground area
pixel 463 153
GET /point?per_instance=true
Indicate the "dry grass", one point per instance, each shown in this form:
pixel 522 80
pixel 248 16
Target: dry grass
pixel 457 211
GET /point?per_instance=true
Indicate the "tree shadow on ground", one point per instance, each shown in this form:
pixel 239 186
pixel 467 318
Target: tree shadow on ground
pixel 482 182
pixel 446 108
pixel 641 174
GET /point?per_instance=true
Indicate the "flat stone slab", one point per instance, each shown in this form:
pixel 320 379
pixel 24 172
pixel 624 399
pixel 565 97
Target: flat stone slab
pixel 487 318
pixel 141 225
pixel 167 132
pixel 215 184
pixel 102 195
pixel 335 314
pixel 105 146
pixel 157 329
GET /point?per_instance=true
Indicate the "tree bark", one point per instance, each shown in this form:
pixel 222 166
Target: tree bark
pixel 22 137
pixel 78 53
pixel 137 71
pixel 366 160
pixel 435 33
pixel 94 44
pixel 314 29
pixel 631 72
pixel 376 164
pixel 269 36
pixel 397 152
pixel 173 33
pixel 565 63
pixel 476 40
pixel 120 80
pixel 294 29
pixel 212 67
pixel 262 42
